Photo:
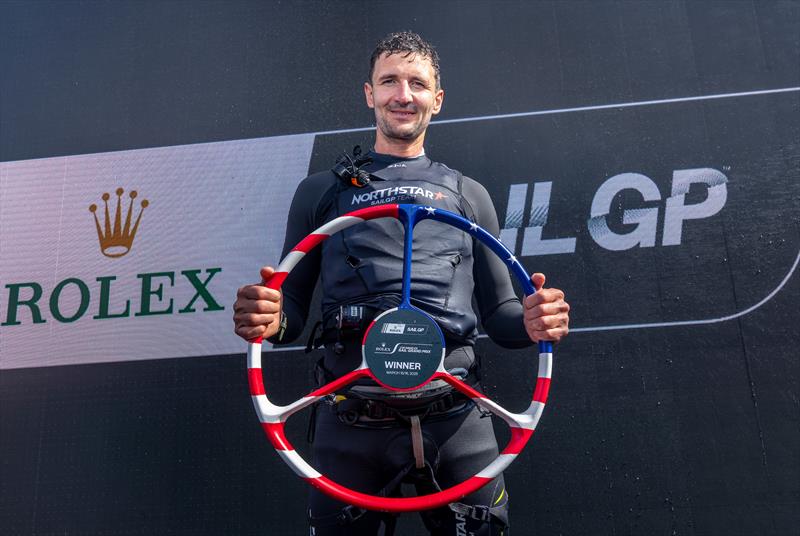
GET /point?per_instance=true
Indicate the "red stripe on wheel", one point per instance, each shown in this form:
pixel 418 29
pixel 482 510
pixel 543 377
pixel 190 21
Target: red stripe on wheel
pixel 276 280
pixel 391 504
pixel 310 242
pixel 335 385
pixel 256 381
pixel 381 211
pixel 276 435
pixel 458 384
pixel 542 388
pixel 519 438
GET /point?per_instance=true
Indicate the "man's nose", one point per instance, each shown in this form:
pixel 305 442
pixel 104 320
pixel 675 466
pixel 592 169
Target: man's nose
pixel 403 94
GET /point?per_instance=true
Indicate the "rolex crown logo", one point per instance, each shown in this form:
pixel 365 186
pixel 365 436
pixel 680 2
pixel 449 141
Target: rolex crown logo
pixel 117 241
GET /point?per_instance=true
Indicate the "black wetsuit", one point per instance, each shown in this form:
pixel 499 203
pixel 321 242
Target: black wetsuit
pixel 363 265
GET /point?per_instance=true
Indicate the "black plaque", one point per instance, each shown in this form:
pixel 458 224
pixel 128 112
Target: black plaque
pixel 403 348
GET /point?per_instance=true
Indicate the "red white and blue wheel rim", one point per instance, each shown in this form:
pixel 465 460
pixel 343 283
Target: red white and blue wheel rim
pixel 273 417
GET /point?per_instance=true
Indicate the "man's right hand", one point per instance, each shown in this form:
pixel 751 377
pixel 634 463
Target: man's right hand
pixel 257 309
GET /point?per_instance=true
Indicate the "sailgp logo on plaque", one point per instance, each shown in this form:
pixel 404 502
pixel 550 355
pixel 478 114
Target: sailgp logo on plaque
pixel 396 329
pixel 116 239
pixel 399 329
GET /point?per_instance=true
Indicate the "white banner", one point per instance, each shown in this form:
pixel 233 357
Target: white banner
pixel 138 254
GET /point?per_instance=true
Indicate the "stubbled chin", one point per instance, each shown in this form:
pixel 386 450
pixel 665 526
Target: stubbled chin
pixel 402 133
pixel 405 130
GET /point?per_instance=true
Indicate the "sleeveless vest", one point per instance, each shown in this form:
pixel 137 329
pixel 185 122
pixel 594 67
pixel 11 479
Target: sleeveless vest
pixel 364 263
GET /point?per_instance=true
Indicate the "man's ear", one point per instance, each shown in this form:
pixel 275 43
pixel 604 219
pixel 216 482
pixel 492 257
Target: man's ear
pixel 368 94
pixel 438 100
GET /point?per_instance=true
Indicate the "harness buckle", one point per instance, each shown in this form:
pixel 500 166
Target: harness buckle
pixel 375 409
pixel 476 512
pixel 347 515
pixel 443 404
pixel 481 513
pixel 350 318
pixel 348 411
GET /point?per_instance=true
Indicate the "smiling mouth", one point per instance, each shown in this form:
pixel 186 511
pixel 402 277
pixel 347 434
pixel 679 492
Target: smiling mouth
pixel 403 113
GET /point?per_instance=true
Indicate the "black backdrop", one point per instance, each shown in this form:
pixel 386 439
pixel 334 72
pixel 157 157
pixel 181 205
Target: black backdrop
pixel 689 427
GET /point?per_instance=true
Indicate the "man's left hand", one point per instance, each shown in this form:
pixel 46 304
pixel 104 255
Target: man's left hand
pixel 546 314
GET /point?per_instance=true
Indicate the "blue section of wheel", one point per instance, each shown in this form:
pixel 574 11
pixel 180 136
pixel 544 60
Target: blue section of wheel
pixel 410 215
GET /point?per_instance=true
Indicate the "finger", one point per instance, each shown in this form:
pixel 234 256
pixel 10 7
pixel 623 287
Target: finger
pixel 256 306
pixel 257 292
pixel 266 274
pixel 251 332
pixel 538 280
pixel 253 319
pixel 540 323
pixel 265 307
pixel 545 327
pixel 551 294
pixel 547 309
pixel 553 335
pixel 545 295
pixel 243 307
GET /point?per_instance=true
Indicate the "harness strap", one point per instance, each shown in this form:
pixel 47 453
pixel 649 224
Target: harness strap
pixel 350 514
pixel 365 411
pixel 481 513
pixel 425 479
pixel 313 342
pixel 416 442
pixel 346 516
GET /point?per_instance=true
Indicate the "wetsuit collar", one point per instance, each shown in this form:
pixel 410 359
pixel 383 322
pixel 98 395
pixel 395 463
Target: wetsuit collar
pixel 389 159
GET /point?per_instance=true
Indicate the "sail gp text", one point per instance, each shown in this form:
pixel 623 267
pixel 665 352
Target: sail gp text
pixel 639 221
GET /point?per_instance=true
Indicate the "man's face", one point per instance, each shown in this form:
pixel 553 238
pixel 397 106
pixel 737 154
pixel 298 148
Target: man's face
pixel 404 96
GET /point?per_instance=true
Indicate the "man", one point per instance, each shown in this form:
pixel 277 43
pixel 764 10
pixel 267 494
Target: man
pixel 369 438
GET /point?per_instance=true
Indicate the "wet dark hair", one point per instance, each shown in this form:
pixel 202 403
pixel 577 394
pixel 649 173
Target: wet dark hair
pixel 406 43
